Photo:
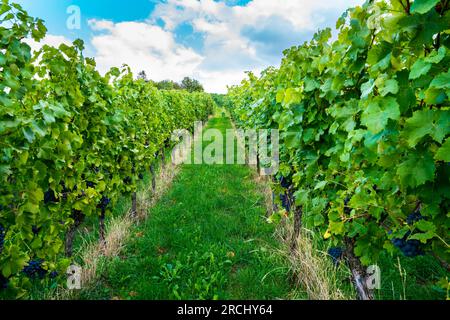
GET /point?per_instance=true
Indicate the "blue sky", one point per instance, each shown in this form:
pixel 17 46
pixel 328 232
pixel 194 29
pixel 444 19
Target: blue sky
pixel 214 41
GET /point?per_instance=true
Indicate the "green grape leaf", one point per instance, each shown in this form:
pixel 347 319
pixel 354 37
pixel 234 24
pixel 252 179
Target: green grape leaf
pixel 417 170
pixel 427 122
pixel 293 139
pixel 435 96
pixel 389 86
pixel 443 153
pixel 367 88
pixel 376 116
pixel 436 56
pixel 423 6
pixel 442 81
pixel 424 225
pixel 419 68
pixel 423 237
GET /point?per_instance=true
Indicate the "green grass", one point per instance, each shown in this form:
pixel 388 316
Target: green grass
pixel 205 239
pixel 417 280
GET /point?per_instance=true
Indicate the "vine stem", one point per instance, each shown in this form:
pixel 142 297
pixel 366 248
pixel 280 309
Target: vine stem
pixel 358 272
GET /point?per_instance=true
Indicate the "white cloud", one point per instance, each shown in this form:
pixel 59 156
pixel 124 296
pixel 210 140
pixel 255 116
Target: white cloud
pixel 51 40
pixel 143 47
pixel 238 39
pixel 235 39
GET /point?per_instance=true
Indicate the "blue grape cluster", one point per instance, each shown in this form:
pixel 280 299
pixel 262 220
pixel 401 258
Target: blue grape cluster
pixel 50 197
pixel 127 180
pixel 35 269
pixel 141 176
pixel 35 230
pixel 414 217
pixel 346 201
pixel 90 184
pixel 2 237
pixel 285 202
pixel 336 254
pixel 409 248
pixel 3 282
pixel 347 209
pixel 285 182
pixel 104 203
pixel 53 274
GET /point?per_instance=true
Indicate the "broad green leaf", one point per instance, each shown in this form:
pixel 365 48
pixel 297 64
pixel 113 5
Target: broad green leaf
pixel 424 226
pixel 427 122
pixel 435 96
pixel 29 134
pixel 376 116
pixel 436 56
pixel 419 68
pixel 389 86
pixel 443 153
pixel 280 96
pixel 367 88
pixel 320 185
pixel 441 81
pixel 293 139
pixel 423 237
pixel 417 170
pixel 423 6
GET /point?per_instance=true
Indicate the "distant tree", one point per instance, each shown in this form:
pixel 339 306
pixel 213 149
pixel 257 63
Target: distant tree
pixel 168 85
pixel 142 75
pixel 221 100
pixel 191 85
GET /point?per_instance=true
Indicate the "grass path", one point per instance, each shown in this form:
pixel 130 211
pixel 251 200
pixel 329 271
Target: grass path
pixel 205 239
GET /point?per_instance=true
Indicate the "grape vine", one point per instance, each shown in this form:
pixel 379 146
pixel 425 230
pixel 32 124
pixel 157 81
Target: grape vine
pixel 364 122
pixel 71 143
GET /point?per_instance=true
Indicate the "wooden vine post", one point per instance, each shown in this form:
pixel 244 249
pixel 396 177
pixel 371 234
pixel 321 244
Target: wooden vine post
pixel 153 175
pixel 359 274
pixel 78 218
pixel 163 159
pixel 102 227
pixel 134 204
pixel 298 213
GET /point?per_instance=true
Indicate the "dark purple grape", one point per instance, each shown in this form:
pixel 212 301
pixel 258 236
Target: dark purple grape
pixel 3 282
pixel 127 180
pixel 347 209
pixel 64 188
pixel 104 203
pixel 50 197
pixel 285 182
pixel 141 176
pixel 414 217
pixel 346 201
pixel 336 254
pixel 34 269
pixel 285 202
pixel 77 215
pixel 90 184
pixel 409 248
pixel 35 230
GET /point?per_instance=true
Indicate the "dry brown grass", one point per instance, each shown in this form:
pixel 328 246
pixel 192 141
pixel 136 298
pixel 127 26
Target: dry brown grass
pixel 118 231
pixel 312 269
pixel 263 184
